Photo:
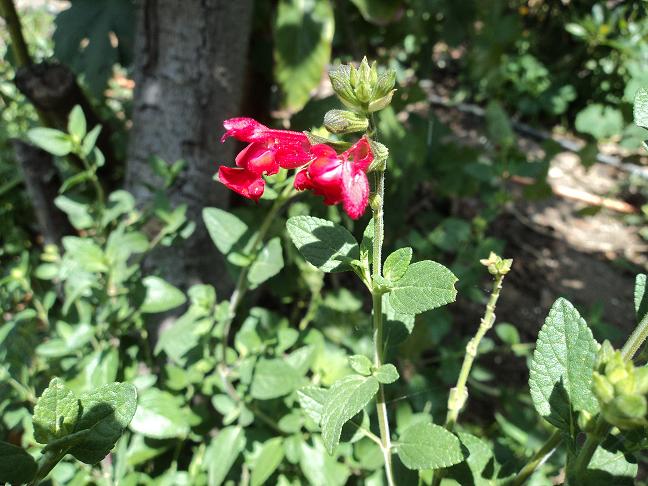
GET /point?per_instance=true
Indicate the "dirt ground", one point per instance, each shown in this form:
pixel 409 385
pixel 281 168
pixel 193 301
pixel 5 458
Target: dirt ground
pixel 558 251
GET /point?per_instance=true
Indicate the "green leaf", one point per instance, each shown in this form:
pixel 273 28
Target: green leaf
pixel 90 141
pixel 222 452
pixel 320 468
pixel 302 48
pixel 82 39
pixel 479 456
pixel 425 285
pixel 76 211
pixel 386 374
pixel 86 253
pixel 55 413
pixel 346 398
pixel 160 415
pixel 428 446
pixel 224 228
pixel 396 264
pixel 268 262
pixel 499 125
pixel 77 124
pixel 267 461
pixel 75 180
pixel 360 364
pixel 312 399
pixel 161 296
pixel 96 369
pixel 640 297
pixel 328 246
pixel 562 366
pixel 600 121
pixel 610 468
pixel 16 465
pixel 105 413
pixel 273 378
pixel 50 140
pixel 508 333
pixel 640 111
pixel 379 12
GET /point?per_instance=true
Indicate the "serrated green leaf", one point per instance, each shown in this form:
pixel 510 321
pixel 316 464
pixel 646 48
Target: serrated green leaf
pixel 562 366
pixel 312 399
pixel 386 374
pixel 160 415
pixel 302 50
pixel 77 124
pixel 426 285
pixel 161 296
pixel 267 461
pixel 16 465
pixel 105 413
pixel 396 264
pixel 328 246
pixel 55 412
pixel 609 468
pixel 273 378
pixel 268 262
pixel 640 297
pixel 222 452
pixel 50 140
pixel 346 398
pixel 640 110
pixel 224 228
pixel 360 364
pixel 428 446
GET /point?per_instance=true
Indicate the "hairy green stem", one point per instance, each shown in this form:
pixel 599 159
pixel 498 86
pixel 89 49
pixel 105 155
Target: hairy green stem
pixel 601 428
pixel 537 459
pixel 381 406
pixel 459 394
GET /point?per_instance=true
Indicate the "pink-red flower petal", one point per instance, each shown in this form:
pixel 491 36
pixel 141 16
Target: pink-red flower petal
pixel 242 181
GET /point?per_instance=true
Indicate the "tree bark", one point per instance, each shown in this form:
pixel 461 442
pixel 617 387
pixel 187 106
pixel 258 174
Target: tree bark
pixel 42 181
pixel 190 58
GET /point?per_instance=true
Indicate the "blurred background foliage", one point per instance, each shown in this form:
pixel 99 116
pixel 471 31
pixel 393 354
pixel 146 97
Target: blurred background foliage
pixel 488 94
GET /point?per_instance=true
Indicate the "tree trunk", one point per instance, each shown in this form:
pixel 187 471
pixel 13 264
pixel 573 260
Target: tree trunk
pixel 190 58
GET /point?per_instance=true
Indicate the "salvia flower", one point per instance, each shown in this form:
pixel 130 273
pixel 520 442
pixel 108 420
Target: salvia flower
pixel 268 150
pixel 339 178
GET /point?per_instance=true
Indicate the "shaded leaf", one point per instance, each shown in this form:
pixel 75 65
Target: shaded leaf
pixel 222 452
pixel 16 465
pixel 428 446
pixel 273 378
pixel 224 228
pixel 267 461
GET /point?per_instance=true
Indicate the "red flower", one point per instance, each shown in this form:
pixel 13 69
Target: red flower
pixel 268 150
pixel 339 178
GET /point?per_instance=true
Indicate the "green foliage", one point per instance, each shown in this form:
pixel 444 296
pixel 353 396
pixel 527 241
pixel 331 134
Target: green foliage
pixel 428 446
pixel 562 366
pixel 328 246
pixel 303 33
pixel 425 285
pixel 16 465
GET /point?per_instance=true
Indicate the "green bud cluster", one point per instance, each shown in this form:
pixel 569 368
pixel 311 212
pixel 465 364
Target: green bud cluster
pixel 362 89
pixel 621 389
pixel 496 264
pixel 342 121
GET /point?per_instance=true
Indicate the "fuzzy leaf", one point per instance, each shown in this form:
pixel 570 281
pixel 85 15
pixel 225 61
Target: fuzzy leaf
pixel 50 140
pixel 396 264
pixel 105 413
pixel 386 374
pixel 267 461
pixel 268 263
pixel 346 398
pixel 312 399
pixel 328 246
pixel 428 446
pixel 55 413
pixel 640 297
pixel 610 468
pixel 224 228
pixel 360 364
pixel 425 286
pixel 222 452
pixel 273 378
pixel 640 111
pixel 161 296
pixel 16 465
pixel 562 365
pixel 303 36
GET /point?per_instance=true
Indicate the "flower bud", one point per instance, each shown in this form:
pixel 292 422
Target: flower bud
pixel 385 84
pixel 381 103
pixel 341 81
pixel 496 264
pixel 342 121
